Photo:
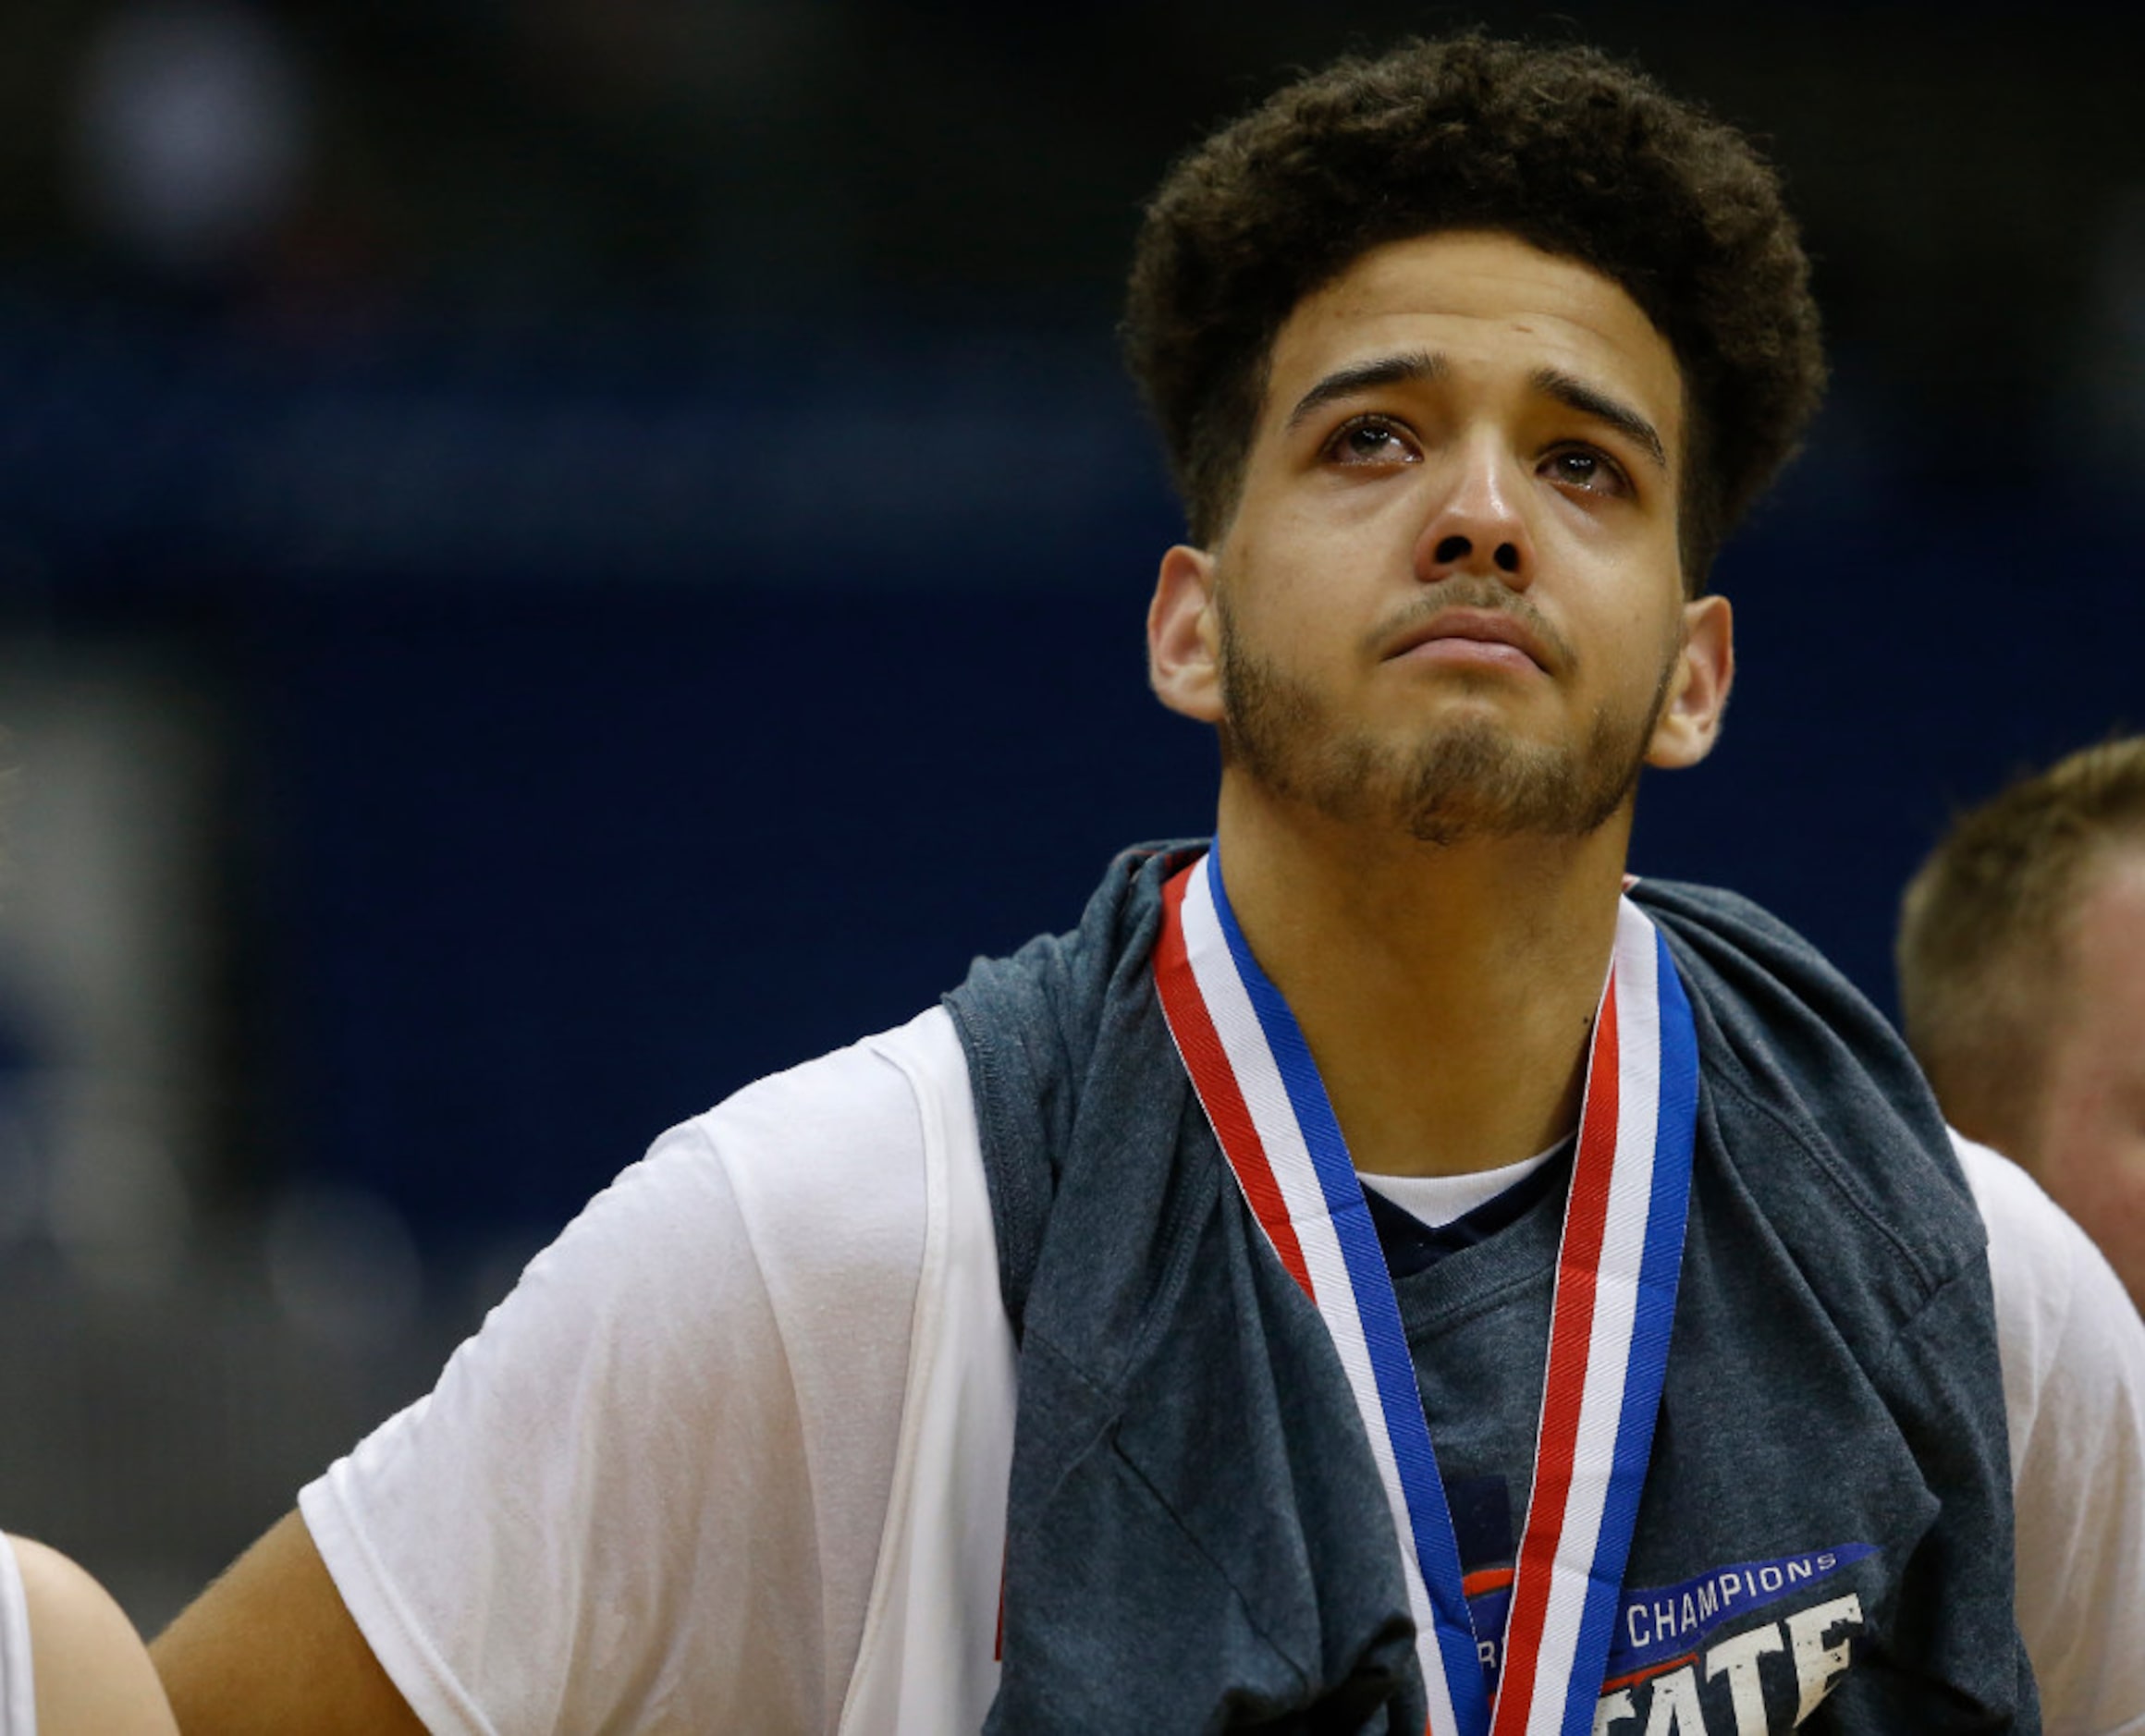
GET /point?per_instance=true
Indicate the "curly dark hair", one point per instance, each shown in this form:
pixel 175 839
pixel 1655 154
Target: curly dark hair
pixel 1560 147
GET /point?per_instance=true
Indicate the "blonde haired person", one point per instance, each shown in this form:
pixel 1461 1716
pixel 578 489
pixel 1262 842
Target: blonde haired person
pixel 70 1662
pixel 2022 983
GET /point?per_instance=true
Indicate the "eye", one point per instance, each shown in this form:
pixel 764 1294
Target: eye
pixel 1370 440
pixel 1586 470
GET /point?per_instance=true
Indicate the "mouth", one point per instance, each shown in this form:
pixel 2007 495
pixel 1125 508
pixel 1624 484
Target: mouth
pixel 1471 638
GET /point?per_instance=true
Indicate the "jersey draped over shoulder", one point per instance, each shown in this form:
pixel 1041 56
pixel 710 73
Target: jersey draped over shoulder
pixel 1825 1530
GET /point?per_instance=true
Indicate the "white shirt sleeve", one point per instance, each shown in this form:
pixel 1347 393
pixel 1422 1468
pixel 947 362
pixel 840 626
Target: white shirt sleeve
pixel 648 1494
pixel 17 1673
pixel 2073 1351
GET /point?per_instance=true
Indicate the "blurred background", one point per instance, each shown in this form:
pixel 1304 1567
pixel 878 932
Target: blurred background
pixel 558 554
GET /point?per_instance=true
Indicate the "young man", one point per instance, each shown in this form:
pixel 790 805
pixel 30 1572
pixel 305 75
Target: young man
pixel 2022 982
pixel 1044 1364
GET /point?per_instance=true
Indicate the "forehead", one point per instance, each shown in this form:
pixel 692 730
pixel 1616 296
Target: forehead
pixel 1495 308
pixel 2108 942
pixel 2096 1062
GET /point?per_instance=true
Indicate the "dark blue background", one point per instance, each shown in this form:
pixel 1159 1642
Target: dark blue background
pixel 570 867
pixel 614 721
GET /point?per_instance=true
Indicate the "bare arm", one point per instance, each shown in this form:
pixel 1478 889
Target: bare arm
pixel 269 1648
pixel 93 1678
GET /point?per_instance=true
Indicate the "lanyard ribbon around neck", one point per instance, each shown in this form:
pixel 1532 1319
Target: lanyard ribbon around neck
pixel 1617 1270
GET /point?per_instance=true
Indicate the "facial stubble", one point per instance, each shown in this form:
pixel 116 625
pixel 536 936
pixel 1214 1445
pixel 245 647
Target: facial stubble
pixel 1459 780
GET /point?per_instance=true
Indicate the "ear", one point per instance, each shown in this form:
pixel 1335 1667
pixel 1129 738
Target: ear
pixel 1184 636
pixel 1698 691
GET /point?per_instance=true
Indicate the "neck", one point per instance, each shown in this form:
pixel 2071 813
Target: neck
pixel 1447 992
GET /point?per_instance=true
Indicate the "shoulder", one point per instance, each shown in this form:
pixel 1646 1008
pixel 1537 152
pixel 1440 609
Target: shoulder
pixel 2067 1326
pixel 816 1171
pixel 707 1368
pixel 865 1095
pixel 2073 1351
pixel 824 1165
pixel 90 1670
pixel 776 1234
pixel 2069 1335
pixel 2042 1265
pixel 799 1201
pixel 1778 1007
pixel 1824 1115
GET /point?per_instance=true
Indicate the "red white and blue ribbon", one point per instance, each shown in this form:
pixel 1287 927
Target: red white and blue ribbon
pixel 1617 1270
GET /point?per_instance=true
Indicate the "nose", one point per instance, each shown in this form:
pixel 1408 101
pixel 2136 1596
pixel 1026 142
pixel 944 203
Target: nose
pixel 1476 527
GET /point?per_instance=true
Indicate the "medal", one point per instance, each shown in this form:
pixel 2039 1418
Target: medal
pixel 1617 1269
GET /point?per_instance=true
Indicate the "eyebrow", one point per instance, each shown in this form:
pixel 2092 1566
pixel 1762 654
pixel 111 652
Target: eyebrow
pixel 1415 366
pixel 1575 394
pixel 1406 367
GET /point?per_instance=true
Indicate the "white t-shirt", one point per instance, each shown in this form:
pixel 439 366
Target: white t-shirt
pixel 2073 1395
pixel 694 1474
pixel 18 1678
pixel 1440 1200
